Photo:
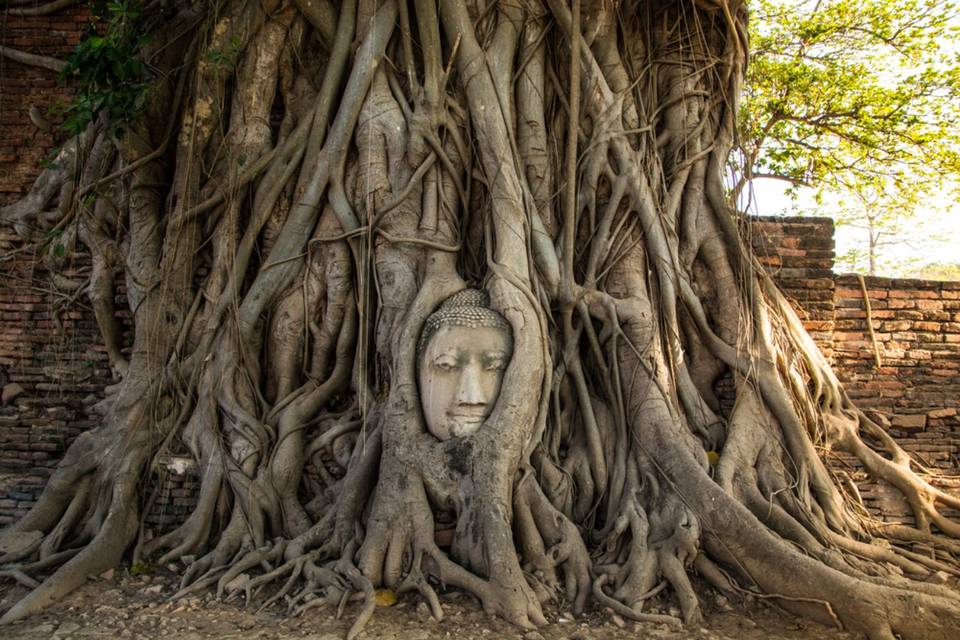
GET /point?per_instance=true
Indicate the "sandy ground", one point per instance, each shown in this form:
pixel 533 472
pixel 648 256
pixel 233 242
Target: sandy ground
pixel 123 606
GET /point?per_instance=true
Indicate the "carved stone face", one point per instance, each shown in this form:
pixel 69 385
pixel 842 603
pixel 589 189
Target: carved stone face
pixel 461 355
pixel 460 370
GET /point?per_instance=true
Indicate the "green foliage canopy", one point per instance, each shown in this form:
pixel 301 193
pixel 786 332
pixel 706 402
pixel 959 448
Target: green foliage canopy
pixel 853 96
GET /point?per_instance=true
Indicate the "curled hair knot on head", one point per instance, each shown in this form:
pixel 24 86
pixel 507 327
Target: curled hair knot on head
pixel 469 308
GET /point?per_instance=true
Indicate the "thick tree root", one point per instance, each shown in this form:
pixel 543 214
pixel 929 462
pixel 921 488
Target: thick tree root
pixel 309 181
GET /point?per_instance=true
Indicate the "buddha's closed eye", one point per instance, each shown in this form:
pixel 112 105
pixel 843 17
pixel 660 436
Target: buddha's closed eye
pixel 495 361
pixel 446 363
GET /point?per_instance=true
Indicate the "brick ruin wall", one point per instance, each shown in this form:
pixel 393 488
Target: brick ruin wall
pixel 23 145
pixel 53 361
pixel 916 329
pixel 49 342
pixel 916 333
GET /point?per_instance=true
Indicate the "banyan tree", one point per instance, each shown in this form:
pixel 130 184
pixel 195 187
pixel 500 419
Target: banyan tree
pixel 452 294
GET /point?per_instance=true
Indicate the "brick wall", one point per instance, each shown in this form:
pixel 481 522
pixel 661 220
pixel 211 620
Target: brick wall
pixel 22 144
pixel 52 367
pixel 916 326
pixel 799 253
pixel 50 347
pixel 917 330
pixel 39 345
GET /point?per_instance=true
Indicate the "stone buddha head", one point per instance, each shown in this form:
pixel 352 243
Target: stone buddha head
pixel 464 348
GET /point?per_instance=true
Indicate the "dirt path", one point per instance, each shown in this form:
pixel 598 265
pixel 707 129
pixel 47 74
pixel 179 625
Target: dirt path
pixel 122 606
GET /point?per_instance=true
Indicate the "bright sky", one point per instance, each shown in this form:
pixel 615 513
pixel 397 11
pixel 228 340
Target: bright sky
pixel 933 238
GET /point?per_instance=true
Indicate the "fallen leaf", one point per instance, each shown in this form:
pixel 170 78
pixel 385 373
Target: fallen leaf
pixel 385 598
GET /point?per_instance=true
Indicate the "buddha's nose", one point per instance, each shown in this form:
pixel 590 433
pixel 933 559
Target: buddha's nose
pixel 470 390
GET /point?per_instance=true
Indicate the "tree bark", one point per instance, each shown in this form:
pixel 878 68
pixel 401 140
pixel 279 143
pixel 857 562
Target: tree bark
pixel 296 201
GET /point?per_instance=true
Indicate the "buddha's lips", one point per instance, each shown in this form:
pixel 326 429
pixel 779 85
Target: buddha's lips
pixel 466 417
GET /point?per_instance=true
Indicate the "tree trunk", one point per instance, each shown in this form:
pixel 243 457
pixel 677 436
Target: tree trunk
pixel 326 232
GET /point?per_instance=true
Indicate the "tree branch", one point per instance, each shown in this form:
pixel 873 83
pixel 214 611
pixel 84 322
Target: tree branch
pixel 33 59
pixel 42 10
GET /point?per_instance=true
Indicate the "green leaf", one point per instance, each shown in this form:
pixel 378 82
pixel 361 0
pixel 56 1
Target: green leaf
pixel 108 66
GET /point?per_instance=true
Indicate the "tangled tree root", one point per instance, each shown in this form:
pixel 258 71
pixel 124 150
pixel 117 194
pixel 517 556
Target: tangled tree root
pixel 305 185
